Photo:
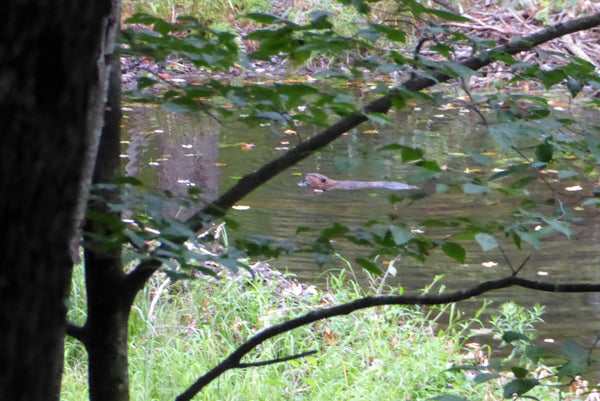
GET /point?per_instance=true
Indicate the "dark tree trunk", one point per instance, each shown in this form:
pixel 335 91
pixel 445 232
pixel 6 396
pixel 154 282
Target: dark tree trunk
pixel 49 72
pixel 109 299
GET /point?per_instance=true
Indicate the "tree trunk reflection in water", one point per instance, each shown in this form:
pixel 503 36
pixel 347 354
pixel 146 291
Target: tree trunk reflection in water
pixel 184 155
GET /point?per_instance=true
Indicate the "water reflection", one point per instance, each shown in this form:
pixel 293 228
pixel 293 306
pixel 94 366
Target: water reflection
pixel 174 153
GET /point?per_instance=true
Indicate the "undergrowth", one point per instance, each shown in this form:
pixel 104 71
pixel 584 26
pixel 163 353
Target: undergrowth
pixel 178 331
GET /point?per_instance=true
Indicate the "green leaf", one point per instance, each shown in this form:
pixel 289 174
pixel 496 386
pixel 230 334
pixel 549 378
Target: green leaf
pixel 471 188
pixel 174 108
pixel 479 158
pixel 176 276
pixel 592 201
pixel 447 397
pixel 457 69
pixel 429 165
pixel 522 182
pixel 509 133
pixel 558 225
pixel 336 231
pixel 572 368
pixel 138 241
pixel 448 15
pixel 536 352
pixel 519 386
pixel 408 154
pixel 574 86
pixel 513 169
pixel 369 266
pixel 455 251
pixel 442 49
pixel 273 115
pixel 574 351
pixel 532 238
pixel 593 145
pixel 501 56
pixel 486 241
pixel 144 82
pixel 551 77
pixel 127 180
pixel 401 235
pixel 142 18
pixel 302 229
pixel 268 19
pixel 562 174
pixel 485 377
pixel 543 152
pixel 511 336
pixel 390 32
pixel 519 371
pixel 379 118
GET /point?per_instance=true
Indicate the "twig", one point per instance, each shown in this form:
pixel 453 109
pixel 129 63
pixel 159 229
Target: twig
pixel 522 265
pixel 277 360
pixel 155 299
pixel 507 260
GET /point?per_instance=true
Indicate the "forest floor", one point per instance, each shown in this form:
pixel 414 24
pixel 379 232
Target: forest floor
pixel 495 23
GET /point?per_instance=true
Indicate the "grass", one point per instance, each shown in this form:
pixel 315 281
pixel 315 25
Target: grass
pixel 214 11
pixel 179 331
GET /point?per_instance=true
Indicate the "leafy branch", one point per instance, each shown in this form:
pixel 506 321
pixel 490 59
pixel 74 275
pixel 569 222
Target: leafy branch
pixel 395 97
pixel 382 105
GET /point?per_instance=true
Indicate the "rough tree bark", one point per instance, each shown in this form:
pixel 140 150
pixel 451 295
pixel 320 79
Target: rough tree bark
pixel 51 60
pixel 109 301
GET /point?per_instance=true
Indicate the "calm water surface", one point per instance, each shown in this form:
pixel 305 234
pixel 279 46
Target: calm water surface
pixel 174 152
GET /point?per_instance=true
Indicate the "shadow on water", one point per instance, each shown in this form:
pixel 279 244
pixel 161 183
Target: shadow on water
pixel 174 152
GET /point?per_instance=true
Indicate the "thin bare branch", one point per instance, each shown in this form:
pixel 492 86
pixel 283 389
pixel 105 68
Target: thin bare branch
pixel 276 360
pixel 507 260
pixel 522 265
pixel 233 360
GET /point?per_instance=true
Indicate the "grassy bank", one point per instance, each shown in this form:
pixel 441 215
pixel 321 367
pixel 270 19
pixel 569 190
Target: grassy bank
pixel 179 331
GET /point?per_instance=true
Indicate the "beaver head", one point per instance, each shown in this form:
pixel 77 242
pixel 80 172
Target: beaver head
pixel 317 182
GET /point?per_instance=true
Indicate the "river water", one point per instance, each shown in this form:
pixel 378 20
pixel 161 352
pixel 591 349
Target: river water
pixel 173 152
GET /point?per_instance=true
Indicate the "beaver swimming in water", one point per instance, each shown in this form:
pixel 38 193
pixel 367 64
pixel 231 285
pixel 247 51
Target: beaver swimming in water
pixel 315 183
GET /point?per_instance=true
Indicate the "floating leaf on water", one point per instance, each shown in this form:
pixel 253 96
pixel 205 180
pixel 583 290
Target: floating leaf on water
pixel 489 264
pixel 574 188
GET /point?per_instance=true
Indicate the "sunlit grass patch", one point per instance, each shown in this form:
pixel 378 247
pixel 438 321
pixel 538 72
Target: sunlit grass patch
pixel 179 331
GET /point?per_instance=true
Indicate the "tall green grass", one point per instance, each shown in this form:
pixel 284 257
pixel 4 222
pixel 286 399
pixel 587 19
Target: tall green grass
pixel 178 331
pixel 213 11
